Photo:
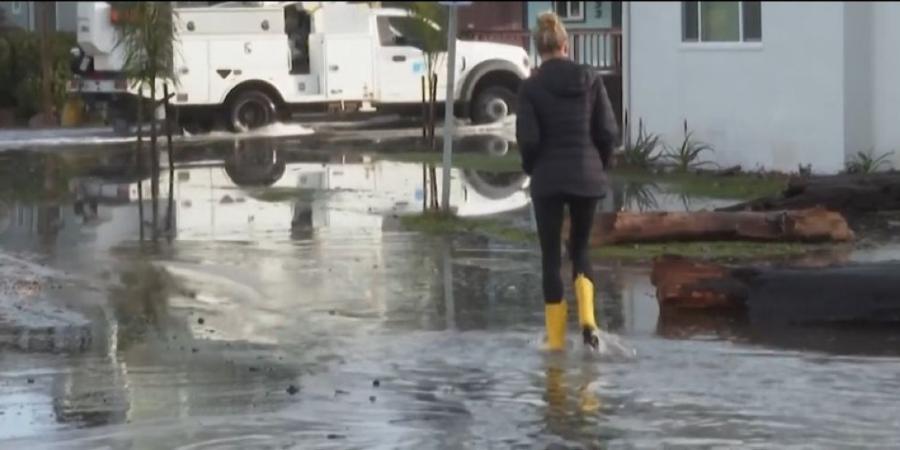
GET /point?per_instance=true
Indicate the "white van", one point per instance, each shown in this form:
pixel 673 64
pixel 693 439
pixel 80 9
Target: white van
pixel 252 65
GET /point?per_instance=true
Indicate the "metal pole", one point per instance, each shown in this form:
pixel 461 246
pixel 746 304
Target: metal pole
pixel 448 107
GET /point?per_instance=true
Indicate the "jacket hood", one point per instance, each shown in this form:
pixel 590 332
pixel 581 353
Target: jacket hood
pixel 565 78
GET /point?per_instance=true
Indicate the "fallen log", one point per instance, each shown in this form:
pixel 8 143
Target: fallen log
pixel 851 195
pixel 814 225
pixel 850 293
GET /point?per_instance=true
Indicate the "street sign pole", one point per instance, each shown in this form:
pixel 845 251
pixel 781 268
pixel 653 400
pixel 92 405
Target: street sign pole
pixel 449 100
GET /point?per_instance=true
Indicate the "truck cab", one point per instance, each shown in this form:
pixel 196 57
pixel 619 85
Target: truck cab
pixel 251 65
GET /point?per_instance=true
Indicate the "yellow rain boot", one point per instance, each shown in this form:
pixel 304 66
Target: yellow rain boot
pixel 555 321
pixel 584 293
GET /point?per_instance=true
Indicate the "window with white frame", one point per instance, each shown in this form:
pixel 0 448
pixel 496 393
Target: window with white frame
pixel 569 11
pixel 721 22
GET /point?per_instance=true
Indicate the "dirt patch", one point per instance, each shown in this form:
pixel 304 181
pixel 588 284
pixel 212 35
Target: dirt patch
pixel 29 319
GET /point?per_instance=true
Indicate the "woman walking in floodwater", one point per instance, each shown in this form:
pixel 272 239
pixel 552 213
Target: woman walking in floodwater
pixel 566 131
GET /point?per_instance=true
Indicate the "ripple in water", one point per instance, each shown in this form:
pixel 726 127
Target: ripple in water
pixel 615 347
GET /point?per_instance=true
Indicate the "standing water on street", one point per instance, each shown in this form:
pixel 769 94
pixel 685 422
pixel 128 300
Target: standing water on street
pixel 229 225
pixel 292 309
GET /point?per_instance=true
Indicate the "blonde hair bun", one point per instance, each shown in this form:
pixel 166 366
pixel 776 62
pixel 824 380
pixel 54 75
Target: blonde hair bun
pixel 548 21
pixel 550 35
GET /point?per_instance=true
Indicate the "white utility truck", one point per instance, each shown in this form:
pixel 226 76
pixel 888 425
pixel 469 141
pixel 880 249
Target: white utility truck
pixel 252 64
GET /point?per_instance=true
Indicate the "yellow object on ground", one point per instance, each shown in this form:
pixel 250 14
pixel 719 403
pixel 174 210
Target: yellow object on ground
pixel 555 319
pixel 584 293
pixel 72 113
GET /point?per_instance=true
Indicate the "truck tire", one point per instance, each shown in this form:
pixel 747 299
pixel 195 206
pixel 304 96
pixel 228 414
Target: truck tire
pixel 495 186
pixel 493 104
pixel 195 122
pixel 251 109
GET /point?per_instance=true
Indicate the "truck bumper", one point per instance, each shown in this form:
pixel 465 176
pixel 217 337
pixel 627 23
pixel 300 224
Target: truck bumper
pixel 108 97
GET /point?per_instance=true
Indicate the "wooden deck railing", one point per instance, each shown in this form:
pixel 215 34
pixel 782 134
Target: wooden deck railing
pixel 597 47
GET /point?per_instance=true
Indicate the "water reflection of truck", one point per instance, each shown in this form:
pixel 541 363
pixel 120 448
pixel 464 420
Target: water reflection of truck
pixel 251 65
pixel 255 190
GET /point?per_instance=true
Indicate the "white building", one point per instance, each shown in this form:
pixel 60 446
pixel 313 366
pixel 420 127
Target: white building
pixel 63 15
pixel 768 84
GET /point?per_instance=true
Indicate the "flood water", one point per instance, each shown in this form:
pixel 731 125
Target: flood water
pixel 291 310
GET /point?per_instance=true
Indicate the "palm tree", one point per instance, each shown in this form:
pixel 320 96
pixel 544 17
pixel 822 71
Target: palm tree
pixel 427 30
pixel 146 32
pixel 43 18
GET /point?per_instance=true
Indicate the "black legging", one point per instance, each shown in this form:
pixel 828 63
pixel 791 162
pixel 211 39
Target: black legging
pixel 548 212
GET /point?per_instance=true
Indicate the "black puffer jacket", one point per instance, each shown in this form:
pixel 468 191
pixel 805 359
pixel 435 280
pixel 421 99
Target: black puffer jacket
pixel 566 130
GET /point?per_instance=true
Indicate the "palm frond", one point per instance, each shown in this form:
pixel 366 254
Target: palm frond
pixel 866 162
pixel 687 155
pixel 146 32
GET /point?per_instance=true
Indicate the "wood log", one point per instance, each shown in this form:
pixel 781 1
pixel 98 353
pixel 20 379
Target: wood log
pixel 847 293
pixel 814 225
pixel 696 285
pixel 852 195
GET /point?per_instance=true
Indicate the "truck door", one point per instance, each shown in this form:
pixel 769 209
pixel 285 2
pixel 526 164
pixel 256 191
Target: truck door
pixel 348 67
pixel 192 66
pixel 400 64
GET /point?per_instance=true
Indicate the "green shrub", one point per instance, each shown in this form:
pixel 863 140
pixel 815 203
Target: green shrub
pixel 686 156
pixel 642 154
pixel 867 162
pixel 20 70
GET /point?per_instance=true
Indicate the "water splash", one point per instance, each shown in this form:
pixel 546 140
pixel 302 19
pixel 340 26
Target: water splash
pixel 14 139
pixel 277 129
pixel 613 346
pixel 17 139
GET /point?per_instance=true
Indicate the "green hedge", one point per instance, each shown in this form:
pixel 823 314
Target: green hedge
pixel 20 70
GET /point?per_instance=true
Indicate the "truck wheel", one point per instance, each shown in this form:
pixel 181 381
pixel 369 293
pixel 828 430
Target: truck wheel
pixel 195 122
pixel 250 110
pixel 493 104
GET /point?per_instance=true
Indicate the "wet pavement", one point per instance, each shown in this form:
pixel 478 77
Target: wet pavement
pixel 291 310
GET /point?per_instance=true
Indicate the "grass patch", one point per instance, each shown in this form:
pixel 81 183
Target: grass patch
pixel 447 224
pixel 509 162
pixel 713 251
pixel 740 187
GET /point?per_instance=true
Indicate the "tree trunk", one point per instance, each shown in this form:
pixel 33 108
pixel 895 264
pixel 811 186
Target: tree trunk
pixel 140 159
pixel 424 110
pixel 154 157
pixel 842 293
pixel 851 195
pixel 46 56
pixel 170 210
pixel 813 225
pixel 433 139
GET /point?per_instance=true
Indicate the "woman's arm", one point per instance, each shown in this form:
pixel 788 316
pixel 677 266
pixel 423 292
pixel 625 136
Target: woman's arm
pixel 604 128
pixel 528 135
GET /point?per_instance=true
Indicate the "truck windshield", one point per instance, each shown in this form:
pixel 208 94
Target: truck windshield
pixel 401 30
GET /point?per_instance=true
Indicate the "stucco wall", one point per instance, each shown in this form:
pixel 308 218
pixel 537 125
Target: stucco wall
pixel 886 78
pixel 775 104
pixel 858 107
pixel 20 17
pixel 67 16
